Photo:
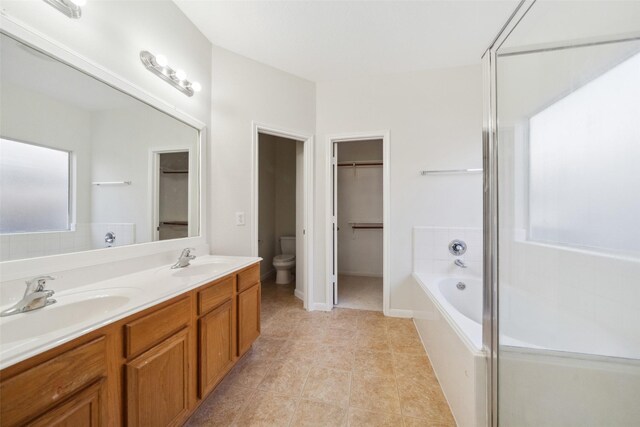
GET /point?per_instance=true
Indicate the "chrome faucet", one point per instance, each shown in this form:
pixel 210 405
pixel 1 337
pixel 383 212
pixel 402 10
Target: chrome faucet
pixel 35 297
pixel 185 257
pixel 460 263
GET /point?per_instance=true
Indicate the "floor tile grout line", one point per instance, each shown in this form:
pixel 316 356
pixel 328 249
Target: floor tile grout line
pixel 299 397
pixel 244 406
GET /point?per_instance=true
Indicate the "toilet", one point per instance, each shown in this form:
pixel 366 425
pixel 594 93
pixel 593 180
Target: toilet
pixel 285 263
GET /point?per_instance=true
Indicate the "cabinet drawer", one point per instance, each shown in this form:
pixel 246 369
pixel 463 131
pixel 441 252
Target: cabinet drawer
pixel 248 277
pixel 215 295
pixel 30 393
pixel 143 333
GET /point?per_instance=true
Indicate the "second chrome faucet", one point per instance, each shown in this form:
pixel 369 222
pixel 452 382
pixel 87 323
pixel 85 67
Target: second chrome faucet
pixel 184 259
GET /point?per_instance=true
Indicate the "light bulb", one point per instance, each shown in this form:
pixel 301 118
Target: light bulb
pixel 161 60
pixel 79 2
pixel 181 75
pixel 196 87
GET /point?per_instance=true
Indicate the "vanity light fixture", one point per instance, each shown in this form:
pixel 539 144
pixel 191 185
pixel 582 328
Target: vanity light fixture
pixel 71 8
pixel 159 65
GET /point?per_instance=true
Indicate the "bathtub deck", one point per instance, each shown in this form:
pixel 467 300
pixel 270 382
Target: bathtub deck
pixel 346 367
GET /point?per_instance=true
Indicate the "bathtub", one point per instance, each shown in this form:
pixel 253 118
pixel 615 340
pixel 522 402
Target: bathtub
pixel 450 325
pixel 540 358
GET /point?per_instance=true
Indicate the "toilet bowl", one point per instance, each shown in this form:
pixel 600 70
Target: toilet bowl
pixel 285 263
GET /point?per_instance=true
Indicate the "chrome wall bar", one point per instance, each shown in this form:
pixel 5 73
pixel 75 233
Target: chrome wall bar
pixel 111 183
pixel 446 171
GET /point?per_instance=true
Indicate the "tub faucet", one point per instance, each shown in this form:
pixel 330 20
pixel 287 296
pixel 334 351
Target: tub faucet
pixel 460 263
pixel 35 297
pixel 185 257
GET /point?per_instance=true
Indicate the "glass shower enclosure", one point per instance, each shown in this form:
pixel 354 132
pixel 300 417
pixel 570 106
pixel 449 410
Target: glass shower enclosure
pixel 562 215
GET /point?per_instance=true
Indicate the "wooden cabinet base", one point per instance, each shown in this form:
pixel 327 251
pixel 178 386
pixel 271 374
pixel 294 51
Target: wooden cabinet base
pixel 248 318
pixel 217 350
pixel 157 384
pixel 85 408
pixel 152 368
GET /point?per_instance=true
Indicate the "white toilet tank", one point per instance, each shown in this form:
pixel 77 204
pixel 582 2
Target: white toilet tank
pixel 288 245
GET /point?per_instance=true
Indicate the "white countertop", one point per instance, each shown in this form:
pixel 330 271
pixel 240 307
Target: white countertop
pixel 87 308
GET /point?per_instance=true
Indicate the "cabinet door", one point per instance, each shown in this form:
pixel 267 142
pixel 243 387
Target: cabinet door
pixel 83 409
pixel 248 318
pixel 157 384
pixel 217 352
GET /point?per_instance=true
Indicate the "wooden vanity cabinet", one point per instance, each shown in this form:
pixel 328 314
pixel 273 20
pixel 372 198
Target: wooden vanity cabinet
pixel 85 408
pixel 152 368
pixel 248 308
pixel 216 333
pixel 42 389
pixel 217 350
pixel 158 384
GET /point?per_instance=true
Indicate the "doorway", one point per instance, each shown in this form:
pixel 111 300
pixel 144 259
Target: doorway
pixel 171 201
pixel 289 214
pixel 277 213
pixel 358 204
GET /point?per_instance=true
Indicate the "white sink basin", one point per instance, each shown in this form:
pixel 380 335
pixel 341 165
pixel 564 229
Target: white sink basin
pixel 65 313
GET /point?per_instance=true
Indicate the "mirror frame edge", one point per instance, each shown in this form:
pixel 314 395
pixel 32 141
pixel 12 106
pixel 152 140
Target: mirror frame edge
pixel 17 269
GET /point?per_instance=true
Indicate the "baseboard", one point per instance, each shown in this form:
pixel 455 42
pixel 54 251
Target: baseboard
pixel 320 306
pixel 357 273
pixel 298 293
pixel 396 312
pixel 267 275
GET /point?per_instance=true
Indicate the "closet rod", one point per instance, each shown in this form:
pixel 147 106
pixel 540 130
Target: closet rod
pixel 174 223
pixel 356 164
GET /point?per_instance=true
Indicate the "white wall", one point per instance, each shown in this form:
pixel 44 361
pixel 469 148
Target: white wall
pixel 243 92
pixel 434 118
pixel 360 196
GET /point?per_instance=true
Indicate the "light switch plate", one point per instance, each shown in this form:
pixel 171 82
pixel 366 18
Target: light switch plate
pixel 240 218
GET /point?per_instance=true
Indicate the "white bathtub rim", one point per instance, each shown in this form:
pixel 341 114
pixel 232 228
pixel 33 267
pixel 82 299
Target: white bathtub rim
pixel 468 342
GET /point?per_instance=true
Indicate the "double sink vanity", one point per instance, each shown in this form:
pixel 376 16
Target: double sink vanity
pixel 142 349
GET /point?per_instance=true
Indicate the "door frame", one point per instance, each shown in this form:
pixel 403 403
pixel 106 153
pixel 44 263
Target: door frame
pixel 384 135
pixel 308 190
pixel 154 184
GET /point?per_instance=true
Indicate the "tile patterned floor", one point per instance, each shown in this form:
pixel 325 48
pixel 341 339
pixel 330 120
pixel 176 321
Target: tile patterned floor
pixel 364 293
pixel 343 368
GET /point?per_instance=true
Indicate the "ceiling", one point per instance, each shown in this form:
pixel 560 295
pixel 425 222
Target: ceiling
pixel 330 40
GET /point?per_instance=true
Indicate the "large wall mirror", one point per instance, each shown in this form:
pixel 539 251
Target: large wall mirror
pixel 85 166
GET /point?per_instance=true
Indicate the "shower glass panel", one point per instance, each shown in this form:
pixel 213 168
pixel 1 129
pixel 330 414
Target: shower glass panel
pixel 567 98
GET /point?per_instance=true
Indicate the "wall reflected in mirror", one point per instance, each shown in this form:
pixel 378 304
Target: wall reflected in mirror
pixel 85 166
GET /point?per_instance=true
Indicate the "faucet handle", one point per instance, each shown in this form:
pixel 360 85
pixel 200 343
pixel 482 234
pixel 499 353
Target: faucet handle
pixel 37 284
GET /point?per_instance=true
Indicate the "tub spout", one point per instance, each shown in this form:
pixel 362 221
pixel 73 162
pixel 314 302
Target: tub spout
pixel 460 263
